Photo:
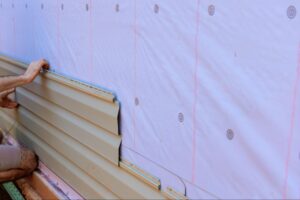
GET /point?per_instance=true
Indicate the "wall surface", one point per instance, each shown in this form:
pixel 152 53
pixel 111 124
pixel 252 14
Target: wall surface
pixel 209 89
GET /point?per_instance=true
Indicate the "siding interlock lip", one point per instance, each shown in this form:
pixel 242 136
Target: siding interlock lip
pixel 91 90
pixel 141 174
pixel 170 193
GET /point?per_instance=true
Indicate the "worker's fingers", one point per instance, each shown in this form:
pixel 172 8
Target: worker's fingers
pixel 7 92
pixel 13 104
pixel 44 63
pixel 10 104
pixel 34 69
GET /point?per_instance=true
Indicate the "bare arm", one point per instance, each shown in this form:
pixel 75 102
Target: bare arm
pixel 9 82
pixel 32 71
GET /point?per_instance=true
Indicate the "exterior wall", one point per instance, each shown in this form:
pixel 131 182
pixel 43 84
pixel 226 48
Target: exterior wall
pixel 208 89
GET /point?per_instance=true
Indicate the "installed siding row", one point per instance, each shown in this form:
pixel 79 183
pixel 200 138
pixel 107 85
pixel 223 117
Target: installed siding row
pixel 74 130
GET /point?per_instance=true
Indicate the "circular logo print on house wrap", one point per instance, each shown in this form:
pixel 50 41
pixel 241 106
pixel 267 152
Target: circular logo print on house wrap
pixel 211 10
pixel 117 8
pixel 156 8
pixel 291 12
pixel 230 134
pixel 180 117
pixel 136 101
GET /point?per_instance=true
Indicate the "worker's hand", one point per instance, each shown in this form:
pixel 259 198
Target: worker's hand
pixel 5 101
pixel 34 69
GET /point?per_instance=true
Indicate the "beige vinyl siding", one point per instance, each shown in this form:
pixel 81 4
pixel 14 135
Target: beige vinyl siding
pixel 74 129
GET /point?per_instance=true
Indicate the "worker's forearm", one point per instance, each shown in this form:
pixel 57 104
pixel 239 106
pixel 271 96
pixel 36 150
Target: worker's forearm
pixel 9 82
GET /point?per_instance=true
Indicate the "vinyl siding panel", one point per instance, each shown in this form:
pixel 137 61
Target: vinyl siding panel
pixel 70 173
pixel 97 139
pixel 74 130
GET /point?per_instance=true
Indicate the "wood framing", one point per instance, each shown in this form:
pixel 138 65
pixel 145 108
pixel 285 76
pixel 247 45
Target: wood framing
pixel 43 187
